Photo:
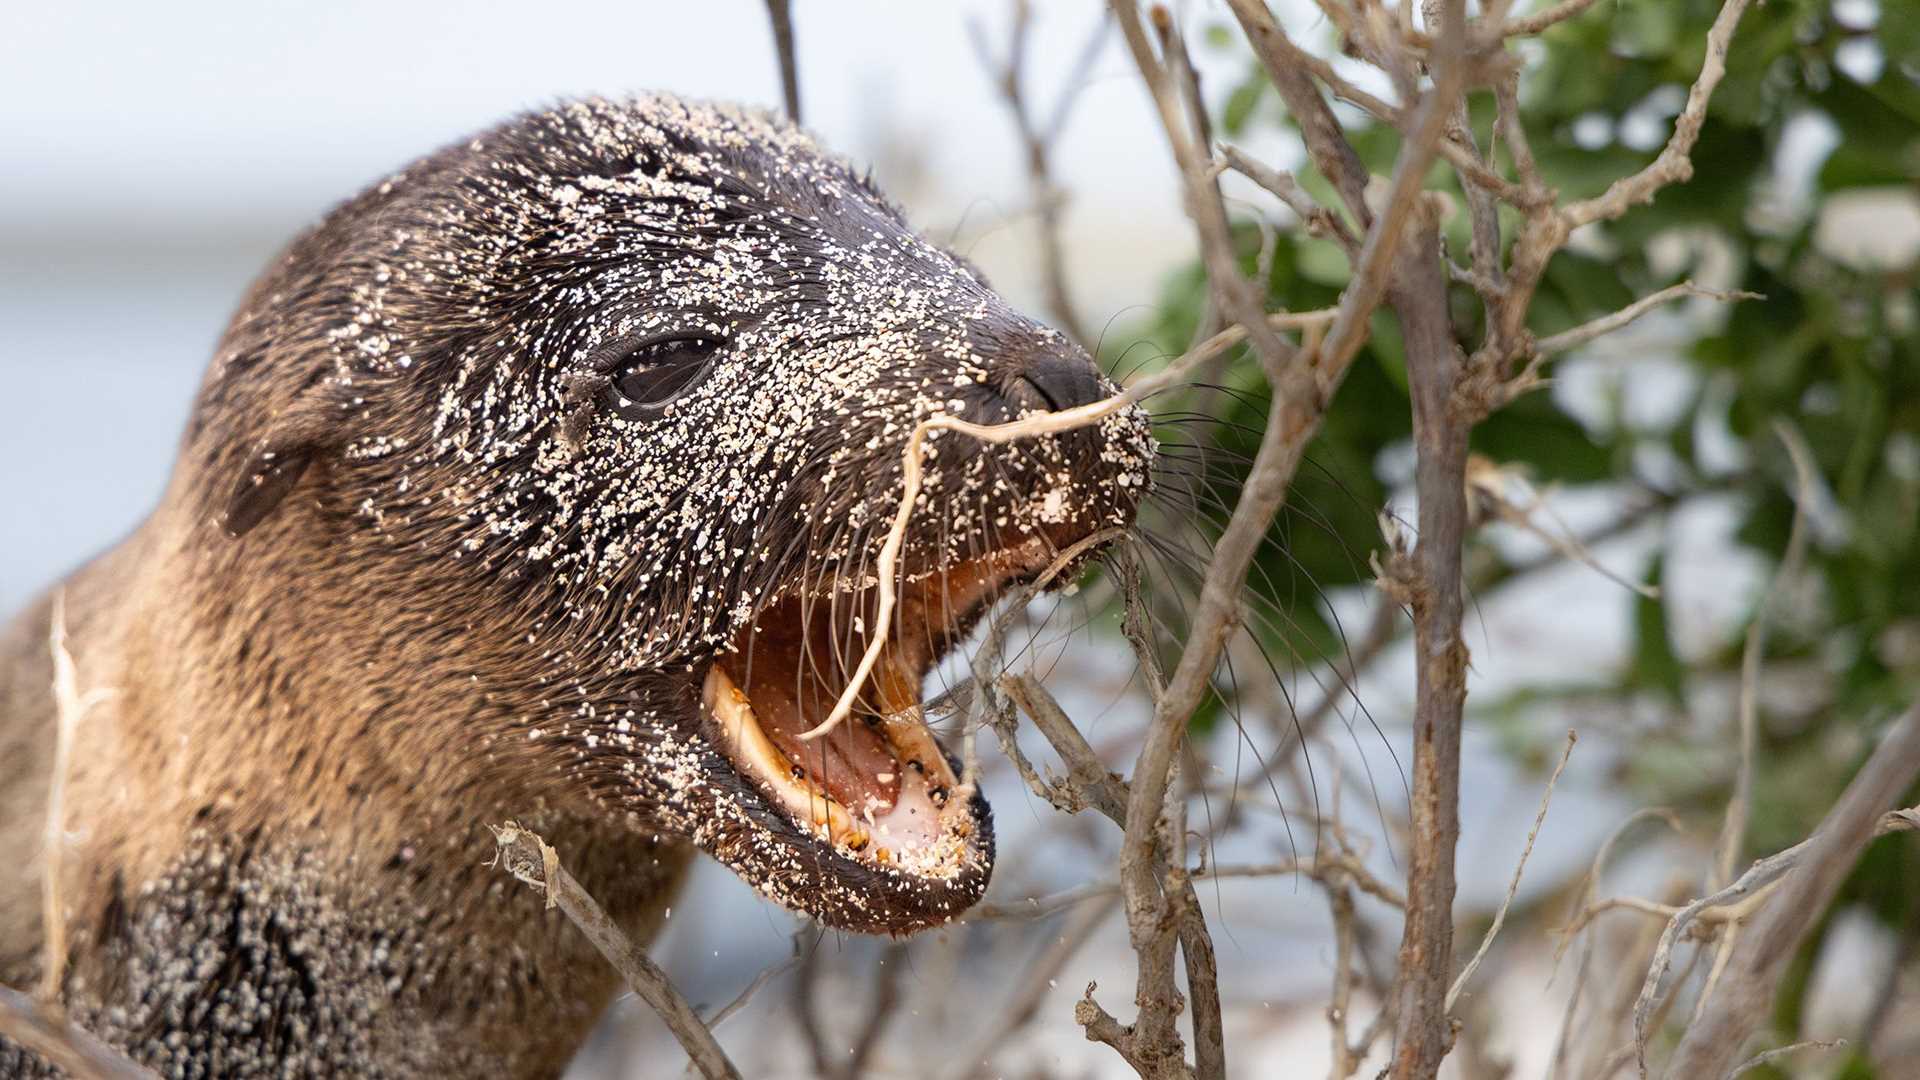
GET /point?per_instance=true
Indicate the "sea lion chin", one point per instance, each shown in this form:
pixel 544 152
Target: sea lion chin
pixel 543 480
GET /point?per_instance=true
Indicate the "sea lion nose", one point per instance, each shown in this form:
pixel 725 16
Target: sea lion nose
pixel 1055 381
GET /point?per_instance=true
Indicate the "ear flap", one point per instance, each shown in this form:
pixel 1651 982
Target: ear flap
pixel 307 430
pixel 272 474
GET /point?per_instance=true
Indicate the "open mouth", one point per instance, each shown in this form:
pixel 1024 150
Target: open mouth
pixel 877 788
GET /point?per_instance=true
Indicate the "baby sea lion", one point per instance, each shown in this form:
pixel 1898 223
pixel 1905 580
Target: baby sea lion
pixel 544 480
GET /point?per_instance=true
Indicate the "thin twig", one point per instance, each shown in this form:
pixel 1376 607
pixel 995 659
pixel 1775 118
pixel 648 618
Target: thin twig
pixel 1733 831
pixel 527 857
pixel 1541 21
pixel 46 1032
pixel 987 706
pixel 1492 486
pixel 1289 66
pixel 1767 1057
pixel 1087 778
pixel 1763 873
pixel 1710 1044
pixel 1500 915
pixel 69 705
pixel 1674 163
pixel 780 14
pixel 1817 863
pixel 1039 424
pixel 1318 219
pixel 1340 905
pixel 1587 892
pixel 1170 84
pixel 1607 324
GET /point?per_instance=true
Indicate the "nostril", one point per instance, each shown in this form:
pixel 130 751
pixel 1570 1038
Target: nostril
pixel 1030 388
pixel 1055 383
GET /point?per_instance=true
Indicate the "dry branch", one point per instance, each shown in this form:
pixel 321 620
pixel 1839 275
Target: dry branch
pixel 780 15
pixel 1319 221
pixel 1500 916
pixel 1733 831
pixel 42 1029
pixel 1541 21
pixel 1767 1057
pixel 1713 1042
pixel 1392 236
pixel 1674 163
pixel 527 857
pixel 1607 324
pixel 1040 976
pixel 1037 142
pixel 40 1023
pixel 1589 889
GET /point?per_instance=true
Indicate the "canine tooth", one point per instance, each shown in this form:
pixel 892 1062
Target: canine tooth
pixel 907 733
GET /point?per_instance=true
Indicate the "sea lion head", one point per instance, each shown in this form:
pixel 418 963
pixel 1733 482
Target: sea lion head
pixel 608 405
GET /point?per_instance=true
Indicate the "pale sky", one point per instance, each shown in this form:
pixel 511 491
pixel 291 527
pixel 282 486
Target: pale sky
pixel 178 124
pixel 153 157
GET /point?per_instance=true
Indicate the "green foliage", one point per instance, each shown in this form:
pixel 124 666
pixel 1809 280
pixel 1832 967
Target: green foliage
pixel 1834 349
pixel 1655 664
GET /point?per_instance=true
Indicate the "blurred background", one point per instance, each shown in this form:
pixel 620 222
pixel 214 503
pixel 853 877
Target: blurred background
pixel 156 156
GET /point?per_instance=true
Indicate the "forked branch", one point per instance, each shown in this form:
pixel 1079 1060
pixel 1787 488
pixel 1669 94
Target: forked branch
pixel 529 858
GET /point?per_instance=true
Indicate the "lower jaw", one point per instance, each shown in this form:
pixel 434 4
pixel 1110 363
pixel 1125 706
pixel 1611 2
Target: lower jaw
pixel 877 790
pixel 928 830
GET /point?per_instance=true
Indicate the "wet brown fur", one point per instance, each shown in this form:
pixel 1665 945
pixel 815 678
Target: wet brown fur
pixel 277 818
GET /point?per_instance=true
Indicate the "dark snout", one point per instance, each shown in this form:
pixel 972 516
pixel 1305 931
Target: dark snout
pixel 1049 373
pixel 1055 381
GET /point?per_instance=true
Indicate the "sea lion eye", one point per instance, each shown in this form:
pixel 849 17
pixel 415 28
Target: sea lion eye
pixel 645 377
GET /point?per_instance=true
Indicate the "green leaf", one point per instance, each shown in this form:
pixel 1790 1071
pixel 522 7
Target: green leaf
pixel 1879 133
pixel 1322 261
pixel 1557 448
pixel 1241 103
pixel 1656 666
pixel 1857 1067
